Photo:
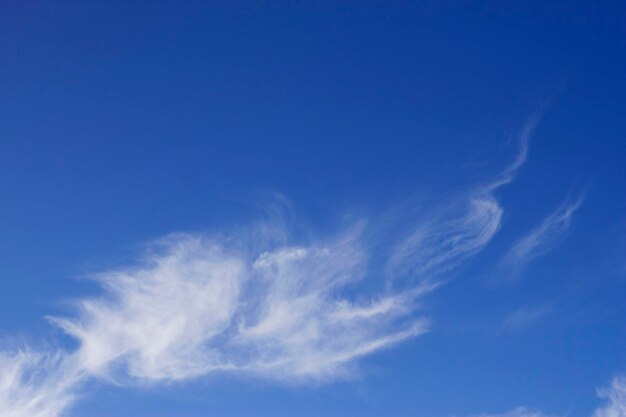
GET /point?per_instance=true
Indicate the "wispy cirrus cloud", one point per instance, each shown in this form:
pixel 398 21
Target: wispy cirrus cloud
pixel 256 303
pixel 199 306
pixel 196 305
pixel 540 240
pixel 523 146
pixel 36 384
pixel 442 243
pixel 462 226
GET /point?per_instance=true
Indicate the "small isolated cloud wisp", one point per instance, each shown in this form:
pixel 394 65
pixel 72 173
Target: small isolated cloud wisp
pixel 525 317
pixel 518 412
pixel 540 240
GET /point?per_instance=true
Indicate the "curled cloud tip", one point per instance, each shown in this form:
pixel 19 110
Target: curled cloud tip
pixel 523 144
pixel 460 229
pixel 443 243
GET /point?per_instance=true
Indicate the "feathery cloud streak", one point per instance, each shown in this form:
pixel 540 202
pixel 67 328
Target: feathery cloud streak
pixel 540 240
pixel 36 384
pixel 462 227
pixel 198 307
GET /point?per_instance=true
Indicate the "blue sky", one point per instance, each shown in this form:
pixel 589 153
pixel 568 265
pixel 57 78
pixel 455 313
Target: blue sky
pixel 312 209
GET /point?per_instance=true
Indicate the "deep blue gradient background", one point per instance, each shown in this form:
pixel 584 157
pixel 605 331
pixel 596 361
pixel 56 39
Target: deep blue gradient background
pixel 124 121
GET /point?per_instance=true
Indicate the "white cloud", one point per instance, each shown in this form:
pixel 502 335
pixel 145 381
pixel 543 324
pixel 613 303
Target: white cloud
pixel 244 304
pixel 523 143
pixel 460 228
pixel 196 305
pixel 441 244
pixel 252 304
pixel 36 384
pixel 616 396
pixel 301 327
pixel 540 240
pixel 199 304
pixel 156 319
